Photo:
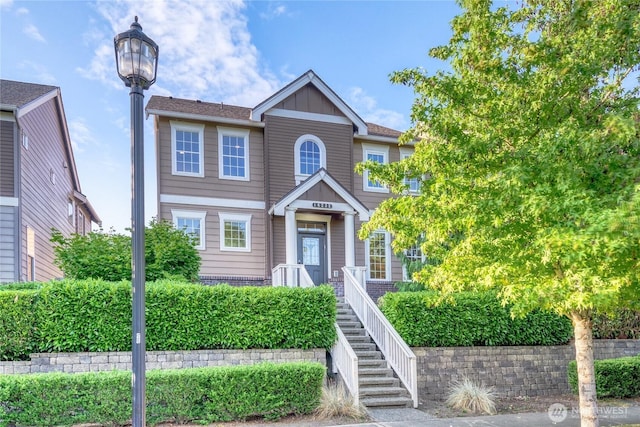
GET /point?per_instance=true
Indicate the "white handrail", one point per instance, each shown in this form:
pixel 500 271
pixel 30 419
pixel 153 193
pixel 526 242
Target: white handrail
pixel 291 275
pixel 345 361
pixel 397 353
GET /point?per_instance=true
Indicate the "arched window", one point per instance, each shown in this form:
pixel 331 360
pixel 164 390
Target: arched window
pixel 310 155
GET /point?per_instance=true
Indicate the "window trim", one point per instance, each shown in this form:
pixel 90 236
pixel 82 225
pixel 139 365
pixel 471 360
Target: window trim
pixel 235 217
pixel 187 127
pixel 405 275
pixel 387 261
pixel 404 153
pixel 199 215
pixel 299 176
pixel 378 150
pixel 244 133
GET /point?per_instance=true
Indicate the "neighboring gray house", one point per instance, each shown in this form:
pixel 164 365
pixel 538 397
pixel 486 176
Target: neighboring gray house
pixel 271 187
pixel 39 185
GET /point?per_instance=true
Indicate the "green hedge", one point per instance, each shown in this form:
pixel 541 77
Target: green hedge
pixel 614 377
pixel 202 395
pixel 472 319
pixel 90 315
pixel 17 324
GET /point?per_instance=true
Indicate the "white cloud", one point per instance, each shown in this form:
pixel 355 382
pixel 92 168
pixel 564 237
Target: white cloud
pixel 81 135
pixel 367 107
pixel 205 49
pixel 274 10
pixel 32 31
pixel 43 76
pixel 6 3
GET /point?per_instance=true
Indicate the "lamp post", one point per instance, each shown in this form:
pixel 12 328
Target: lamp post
pixel 137 63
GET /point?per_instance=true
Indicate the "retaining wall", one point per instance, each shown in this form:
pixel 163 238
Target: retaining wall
pixel 109 361
pixel 512 371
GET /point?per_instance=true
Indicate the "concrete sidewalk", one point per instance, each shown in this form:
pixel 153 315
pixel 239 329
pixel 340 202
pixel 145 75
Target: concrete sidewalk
pixel 617 416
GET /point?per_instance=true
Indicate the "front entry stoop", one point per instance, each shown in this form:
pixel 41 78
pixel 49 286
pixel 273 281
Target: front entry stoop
pixel 378 386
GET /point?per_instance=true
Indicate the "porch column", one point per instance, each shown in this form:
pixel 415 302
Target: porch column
pixel 349 239
pixel 290 235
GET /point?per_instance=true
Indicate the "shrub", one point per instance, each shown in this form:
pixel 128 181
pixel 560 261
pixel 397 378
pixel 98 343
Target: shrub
pixel 169 253
pixel 93 315
pixel 422 319
pixel 624 324
pixel 201 395
pixel 468 396
pixel 614 377
pixel 17 324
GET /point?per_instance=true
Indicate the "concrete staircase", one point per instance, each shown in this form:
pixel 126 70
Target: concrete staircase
pixel 377 384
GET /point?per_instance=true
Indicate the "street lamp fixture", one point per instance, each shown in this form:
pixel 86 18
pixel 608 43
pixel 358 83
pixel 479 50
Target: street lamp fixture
pixel 137 63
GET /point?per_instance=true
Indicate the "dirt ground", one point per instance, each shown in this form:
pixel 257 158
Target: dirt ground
pixel 515 405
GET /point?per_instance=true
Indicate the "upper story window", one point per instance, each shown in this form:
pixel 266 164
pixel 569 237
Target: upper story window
pixel 379 154
pixel 309 156
pixel 187 149
pixel 192 223
pixel 233 153
pixel 412 182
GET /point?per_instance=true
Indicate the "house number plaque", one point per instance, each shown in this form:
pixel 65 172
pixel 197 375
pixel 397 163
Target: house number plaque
pixel 322 205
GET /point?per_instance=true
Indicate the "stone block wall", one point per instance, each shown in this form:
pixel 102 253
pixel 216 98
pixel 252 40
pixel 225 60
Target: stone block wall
pixel 109 361
pixel 512 371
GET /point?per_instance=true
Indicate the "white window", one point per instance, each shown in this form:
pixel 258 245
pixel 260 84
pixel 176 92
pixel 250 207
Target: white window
pixel 235 232
pixel 413 256
pixel 187 149
pixel 309 156
pixel 412 183
pixel 378 254
pixel 192 223
pixel 25 139
pixel 233 154
pixel 379 154
pixel 71 212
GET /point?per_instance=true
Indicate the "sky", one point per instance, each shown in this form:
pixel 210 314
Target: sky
pixel 236 52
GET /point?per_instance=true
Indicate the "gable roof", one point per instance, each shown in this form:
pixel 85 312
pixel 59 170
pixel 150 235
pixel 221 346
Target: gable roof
pixel 320 175
pixel 309 78
pixel 196 109
pixel 21 98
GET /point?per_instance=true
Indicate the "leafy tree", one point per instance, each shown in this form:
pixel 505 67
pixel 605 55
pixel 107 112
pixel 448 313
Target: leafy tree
pixel 169 252
pixel 530 150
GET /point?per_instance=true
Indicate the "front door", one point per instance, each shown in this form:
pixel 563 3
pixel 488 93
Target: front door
pixel 312 250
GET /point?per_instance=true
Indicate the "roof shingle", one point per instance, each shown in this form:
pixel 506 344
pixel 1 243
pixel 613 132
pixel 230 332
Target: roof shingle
pixel 18 94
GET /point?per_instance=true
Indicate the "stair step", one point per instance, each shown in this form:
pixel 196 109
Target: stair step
pixel 363 339
pixel 363 346
pixel 348 324
pixel 368 354
pixel 375 372
pixel 383 391
pixel 346 316
pixel 372 381
pixel 387 402
pixel 371 363
pixel 349 332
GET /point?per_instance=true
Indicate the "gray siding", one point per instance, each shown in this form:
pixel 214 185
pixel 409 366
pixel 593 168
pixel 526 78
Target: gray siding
pixel 280 140
pixel 44 204
pixel 8 219
pixel 224 263
pixel 210 185
pixel 7 158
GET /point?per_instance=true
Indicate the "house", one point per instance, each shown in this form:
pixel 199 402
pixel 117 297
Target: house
pixel 39 185
pixel 269 188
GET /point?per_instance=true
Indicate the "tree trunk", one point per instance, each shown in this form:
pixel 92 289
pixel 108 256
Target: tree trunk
pixel 582 329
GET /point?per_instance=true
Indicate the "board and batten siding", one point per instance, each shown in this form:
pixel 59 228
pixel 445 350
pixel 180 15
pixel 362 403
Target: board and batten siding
pixel 309 100
pixel 44 203
pixel 217 262
pixel 280 139
pixel 210 185
pixel 7 158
